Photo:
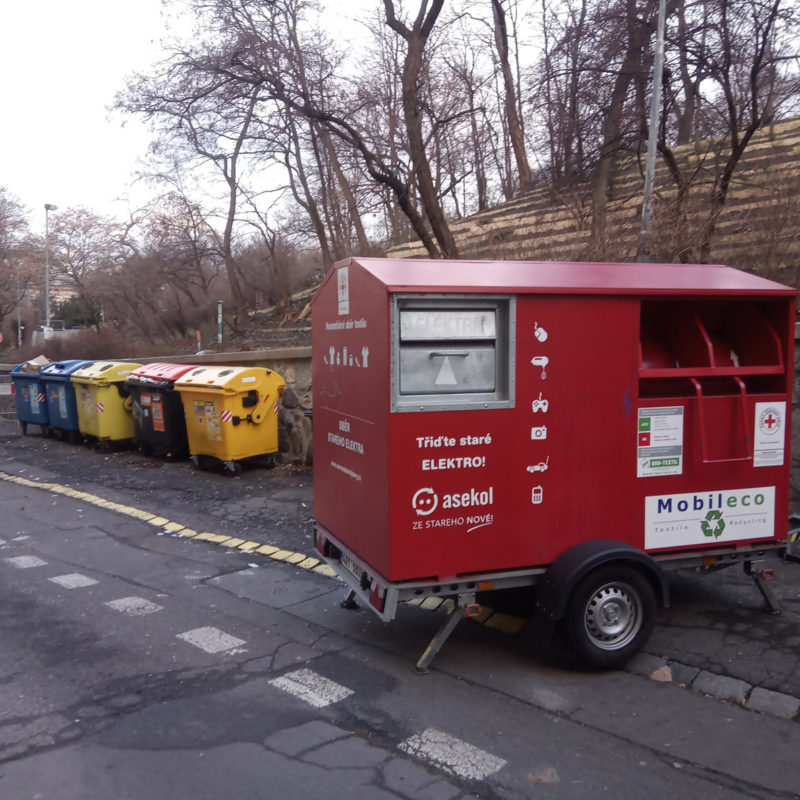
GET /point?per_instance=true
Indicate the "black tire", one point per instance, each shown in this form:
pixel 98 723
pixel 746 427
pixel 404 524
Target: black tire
pixel 610 615
pixel 24 426
pixel 203 462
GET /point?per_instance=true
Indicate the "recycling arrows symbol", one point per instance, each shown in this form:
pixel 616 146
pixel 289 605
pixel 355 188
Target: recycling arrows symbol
pixel 705 525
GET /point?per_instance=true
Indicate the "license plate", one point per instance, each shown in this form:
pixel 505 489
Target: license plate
pixel 351 566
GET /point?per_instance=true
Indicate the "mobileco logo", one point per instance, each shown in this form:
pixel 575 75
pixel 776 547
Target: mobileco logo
pixel 714 500
pixel 690 518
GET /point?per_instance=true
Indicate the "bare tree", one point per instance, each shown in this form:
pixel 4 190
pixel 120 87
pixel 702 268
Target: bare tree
pixel 13 233
pixel 513 116
pixel 84 245
pixel 736 72
pixel 416 37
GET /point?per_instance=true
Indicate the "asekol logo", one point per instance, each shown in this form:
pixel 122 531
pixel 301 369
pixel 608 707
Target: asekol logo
pixel 425 501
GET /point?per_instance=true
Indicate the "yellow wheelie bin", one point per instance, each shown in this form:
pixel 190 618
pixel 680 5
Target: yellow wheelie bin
pixel 104 403
pixel 231 414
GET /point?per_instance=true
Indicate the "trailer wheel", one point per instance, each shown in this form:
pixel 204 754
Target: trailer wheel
pixel 610 615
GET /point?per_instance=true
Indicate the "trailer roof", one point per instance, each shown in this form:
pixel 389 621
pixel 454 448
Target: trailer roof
pixel 552 277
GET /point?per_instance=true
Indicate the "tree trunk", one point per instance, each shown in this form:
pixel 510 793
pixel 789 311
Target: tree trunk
pixel 347 193
pixel 638 33
pixel 416 39
pixel 514 123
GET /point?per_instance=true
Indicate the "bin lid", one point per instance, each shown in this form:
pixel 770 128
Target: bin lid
pixel 27 368
pixel 62 369
pixel 159 372
pixel 227 379
pixel 105 372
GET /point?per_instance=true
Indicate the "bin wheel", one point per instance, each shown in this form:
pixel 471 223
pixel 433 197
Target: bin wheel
pixel 232 468
pixel 202 462
pixel 24 426
pixel 75 437
pixel 610 615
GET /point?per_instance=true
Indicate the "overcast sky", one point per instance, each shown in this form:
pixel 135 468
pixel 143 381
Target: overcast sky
pixel 61 62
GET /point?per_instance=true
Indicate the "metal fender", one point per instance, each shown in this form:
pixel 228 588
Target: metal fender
pixel 565 572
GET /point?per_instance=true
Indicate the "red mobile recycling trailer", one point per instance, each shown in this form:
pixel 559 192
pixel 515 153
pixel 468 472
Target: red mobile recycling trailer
pixel 578 427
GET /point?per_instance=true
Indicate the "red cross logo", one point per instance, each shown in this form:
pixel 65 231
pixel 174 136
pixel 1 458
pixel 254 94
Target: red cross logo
pixel 770 421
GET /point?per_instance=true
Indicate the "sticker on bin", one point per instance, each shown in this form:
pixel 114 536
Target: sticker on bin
pixel 769 443
pixel 158 415
pixel 100 408
pixel 226 415
pixel 206 414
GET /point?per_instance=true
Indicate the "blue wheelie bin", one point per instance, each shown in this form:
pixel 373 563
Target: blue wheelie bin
pixel 30 397
pixel 62 404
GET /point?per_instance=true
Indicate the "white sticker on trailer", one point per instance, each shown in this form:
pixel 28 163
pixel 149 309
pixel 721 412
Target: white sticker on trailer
pixel 660 442
pixel 718 517
pixel 770 434
pixel 343 290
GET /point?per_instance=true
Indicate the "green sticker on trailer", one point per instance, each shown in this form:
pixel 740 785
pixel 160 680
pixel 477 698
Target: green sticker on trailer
pixel 659 441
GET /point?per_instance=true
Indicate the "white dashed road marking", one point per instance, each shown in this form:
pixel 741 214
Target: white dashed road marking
pixel 73 581
pixel 26 562
pixel 452 755
pixel 133 606
pixel 213 640
pixel 312 688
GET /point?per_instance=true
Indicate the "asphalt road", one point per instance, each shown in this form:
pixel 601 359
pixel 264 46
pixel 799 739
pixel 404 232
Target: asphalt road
pixel 140 660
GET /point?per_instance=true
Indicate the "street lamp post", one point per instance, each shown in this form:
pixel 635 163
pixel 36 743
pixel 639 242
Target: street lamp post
pixel 48 207
pixel 646 232
pixel 19 314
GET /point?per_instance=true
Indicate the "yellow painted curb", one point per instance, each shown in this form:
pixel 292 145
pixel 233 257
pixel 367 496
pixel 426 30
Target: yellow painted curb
pixel 505 623
pixel 234 542
pixel 276 553
pixel 431 603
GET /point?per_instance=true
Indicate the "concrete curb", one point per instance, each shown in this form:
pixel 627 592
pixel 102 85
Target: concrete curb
pixel 721 687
